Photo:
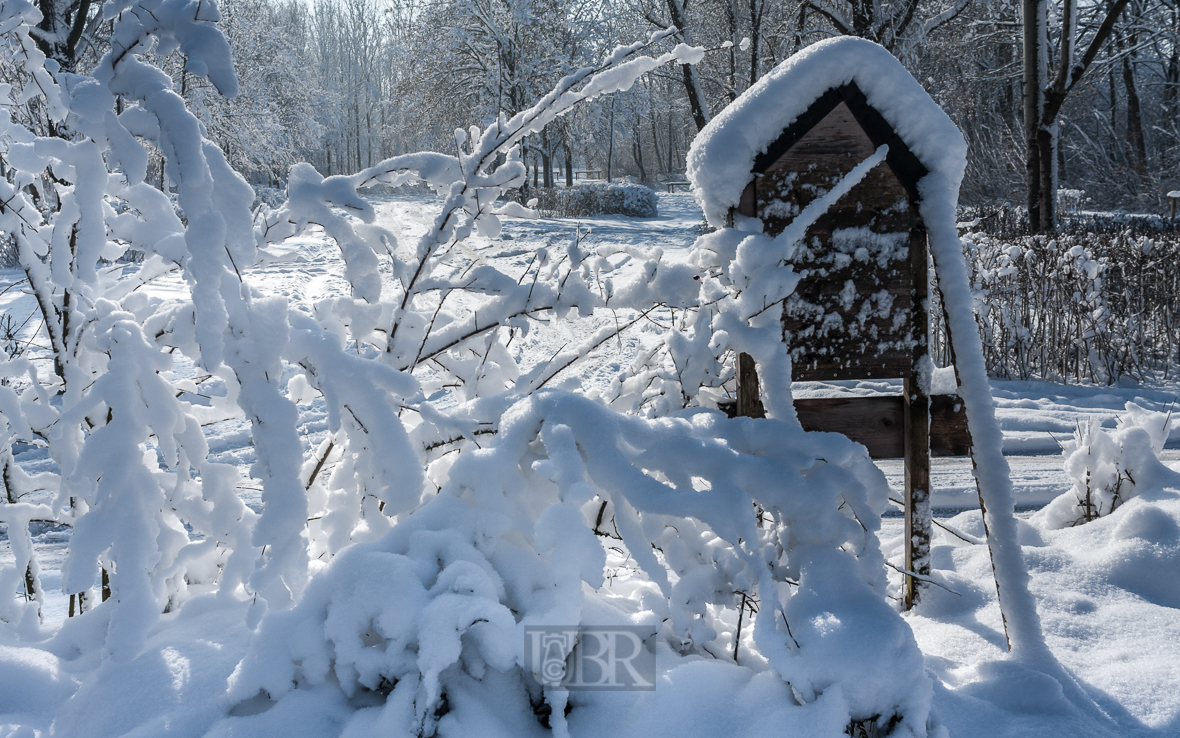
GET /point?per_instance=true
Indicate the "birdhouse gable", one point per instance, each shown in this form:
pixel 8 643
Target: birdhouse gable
pixel 801 94
pixel 841 123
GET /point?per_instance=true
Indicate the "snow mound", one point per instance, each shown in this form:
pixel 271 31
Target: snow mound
pixel 32 682
pixel 1110 467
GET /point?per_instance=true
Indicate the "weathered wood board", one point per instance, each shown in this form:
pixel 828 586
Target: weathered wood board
pixel 877 422
pixel 850 316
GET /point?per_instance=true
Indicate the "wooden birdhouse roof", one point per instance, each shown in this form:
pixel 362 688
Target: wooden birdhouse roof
pixel 760 126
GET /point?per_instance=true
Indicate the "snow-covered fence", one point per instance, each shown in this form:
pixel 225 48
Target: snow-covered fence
pixel 587 200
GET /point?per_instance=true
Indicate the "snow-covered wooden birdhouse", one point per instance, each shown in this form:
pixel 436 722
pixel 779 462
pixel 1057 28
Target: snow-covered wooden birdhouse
pixel 827 158
pixel 853 316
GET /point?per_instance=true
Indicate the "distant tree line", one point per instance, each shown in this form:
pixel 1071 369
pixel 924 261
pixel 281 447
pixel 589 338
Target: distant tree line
pixel 344 84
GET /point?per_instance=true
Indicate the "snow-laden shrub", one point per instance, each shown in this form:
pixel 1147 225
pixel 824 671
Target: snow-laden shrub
pixel 1089 304
pixel 1109 467
pixel 132 474
pixel 114 395
pixel 1069 201
pixel 704 506
pixel 599 198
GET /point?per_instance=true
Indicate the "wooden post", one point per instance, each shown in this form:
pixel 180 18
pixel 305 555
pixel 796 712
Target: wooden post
pixel 749 404
pixel 917 431
pixel 917 489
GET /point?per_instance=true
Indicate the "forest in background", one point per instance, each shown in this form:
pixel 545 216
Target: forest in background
pixel 344 84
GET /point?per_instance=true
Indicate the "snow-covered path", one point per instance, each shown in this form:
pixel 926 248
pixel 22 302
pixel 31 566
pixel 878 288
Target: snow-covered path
pixel 1037 478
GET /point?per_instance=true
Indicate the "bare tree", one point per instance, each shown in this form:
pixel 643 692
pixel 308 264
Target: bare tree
pixel 1043 98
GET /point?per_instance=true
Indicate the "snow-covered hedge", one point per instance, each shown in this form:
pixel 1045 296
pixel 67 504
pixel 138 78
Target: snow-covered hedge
pixel 598 198
pixel 1091 304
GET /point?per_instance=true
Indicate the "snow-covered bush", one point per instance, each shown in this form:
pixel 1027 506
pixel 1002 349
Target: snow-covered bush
pixel 152 515
pixel 706 507
pixel 586 200
pixel 1069 201
pixel 1109 467
pixel 132 475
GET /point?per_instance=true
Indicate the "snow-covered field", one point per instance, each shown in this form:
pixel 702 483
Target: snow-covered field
pixel 1108 592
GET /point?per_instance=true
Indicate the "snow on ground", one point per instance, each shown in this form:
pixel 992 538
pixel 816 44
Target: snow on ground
pixel 1108 592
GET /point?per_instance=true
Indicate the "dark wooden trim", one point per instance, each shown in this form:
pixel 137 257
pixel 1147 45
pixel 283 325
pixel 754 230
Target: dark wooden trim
pixel 900 159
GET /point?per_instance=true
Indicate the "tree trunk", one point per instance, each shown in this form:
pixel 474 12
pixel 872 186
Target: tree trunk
pixel 655 142
pixel 357 130
pixel 63 48
pixel 671 146
pixel 1034 105
pixel 1047 184
pixel 1042 101
pixel 569 164
pixel 546 163
pixel 732 72
pixel 610 152
pixel 637 151
pixel 692 84
pixel 1171 93
pixel 756 11
pixel 1172 76
pixel 369 136
pixel 1135 135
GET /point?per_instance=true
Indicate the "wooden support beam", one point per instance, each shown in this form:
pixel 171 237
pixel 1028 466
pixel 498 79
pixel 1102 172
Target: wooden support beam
pixel 948 427
pixel 917 489
pixel 918 528
pixel 749 402
pixel 877 422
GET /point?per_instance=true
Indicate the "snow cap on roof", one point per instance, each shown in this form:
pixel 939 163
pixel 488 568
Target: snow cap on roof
pixel 721 159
